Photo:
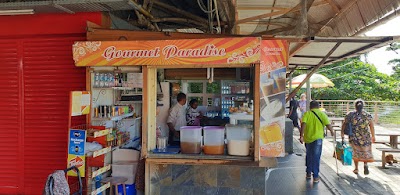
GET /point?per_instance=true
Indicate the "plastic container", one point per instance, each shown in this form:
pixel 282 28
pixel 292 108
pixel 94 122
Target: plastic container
pixel 214 140
pixel 238 137
pixel 130 189
pixel 190 139
pixel 125 169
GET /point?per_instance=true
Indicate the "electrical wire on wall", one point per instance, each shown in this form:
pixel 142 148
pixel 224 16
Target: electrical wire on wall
pixel 212 11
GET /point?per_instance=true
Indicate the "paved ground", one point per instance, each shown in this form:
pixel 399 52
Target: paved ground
pixel 379 181
pixel 289 177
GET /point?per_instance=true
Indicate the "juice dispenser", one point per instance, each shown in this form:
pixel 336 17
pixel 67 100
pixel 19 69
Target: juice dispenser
pixel 190 139
pixel 238 137
pixel 214 140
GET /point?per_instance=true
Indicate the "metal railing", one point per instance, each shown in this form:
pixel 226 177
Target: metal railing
pixel 384 112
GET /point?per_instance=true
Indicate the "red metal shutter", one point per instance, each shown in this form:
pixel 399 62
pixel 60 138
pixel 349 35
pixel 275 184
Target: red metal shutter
pixel 49 75
pixel 10 157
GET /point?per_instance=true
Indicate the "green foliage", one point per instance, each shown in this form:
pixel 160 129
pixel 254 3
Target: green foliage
pixel 395 47
pixel 214 87
pixel 195 88
pixel 354 79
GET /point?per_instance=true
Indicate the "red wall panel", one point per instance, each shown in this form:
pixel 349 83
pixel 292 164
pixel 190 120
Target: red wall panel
pixel 10 118
pixel 36 75
pixel 45 24
pixel 49 75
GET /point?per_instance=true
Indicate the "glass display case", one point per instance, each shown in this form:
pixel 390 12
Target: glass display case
pixel 233 95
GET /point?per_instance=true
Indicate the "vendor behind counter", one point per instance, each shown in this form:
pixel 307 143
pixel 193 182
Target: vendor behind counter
pixel 179 116
pixel 176 119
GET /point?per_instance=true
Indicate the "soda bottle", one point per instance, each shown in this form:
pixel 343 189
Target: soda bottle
pixel 105 79
pixel 110 80
pixel 101 80
pixel 158 132
pixel 96 80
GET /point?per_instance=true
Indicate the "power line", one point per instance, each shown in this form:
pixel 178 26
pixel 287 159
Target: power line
pixel 349 73
pixel 336 67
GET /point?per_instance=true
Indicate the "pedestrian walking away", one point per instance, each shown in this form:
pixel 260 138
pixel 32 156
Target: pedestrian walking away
pixel 312 134
pixel 302 106
pixel 362 135
pixel 293 115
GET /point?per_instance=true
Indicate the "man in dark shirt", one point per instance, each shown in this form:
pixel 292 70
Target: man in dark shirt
pixel 293 112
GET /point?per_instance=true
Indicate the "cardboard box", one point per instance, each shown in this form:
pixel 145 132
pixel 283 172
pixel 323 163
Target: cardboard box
pixel 121 155
pixel 125 169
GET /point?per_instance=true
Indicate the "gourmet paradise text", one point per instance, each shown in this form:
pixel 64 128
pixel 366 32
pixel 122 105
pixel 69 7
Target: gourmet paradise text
pixel 169 51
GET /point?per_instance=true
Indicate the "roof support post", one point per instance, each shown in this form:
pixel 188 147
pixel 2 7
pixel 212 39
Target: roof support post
pixel 308 94
pixel 293 93
pixel 302 25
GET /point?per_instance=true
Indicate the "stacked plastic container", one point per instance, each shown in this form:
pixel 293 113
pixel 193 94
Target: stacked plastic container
pixel 124 164
pixel 190 139
pixel 238 137
pixel 214 140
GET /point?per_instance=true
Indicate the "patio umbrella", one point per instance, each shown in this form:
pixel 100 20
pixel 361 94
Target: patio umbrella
pixel 316 81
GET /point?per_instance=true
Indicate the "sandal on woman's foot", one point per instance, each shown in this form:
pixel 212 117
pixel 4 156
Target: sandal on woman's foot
pixel 316 180
pixel 366 171
pixel 355 171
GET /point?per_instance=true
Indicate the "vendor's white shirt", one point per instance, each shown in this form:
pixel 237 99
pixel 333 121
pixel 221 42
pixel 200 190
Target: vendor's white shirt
pixel 177 116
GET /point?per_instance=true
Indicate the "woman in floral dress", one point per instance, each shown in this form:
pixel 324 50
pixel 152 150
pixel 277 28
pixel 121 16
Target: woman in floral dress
pixel 363 135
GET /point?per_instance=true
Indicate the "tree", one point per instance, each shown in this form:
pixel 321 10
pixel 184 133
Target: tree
pixel 356 79
pixel 395 47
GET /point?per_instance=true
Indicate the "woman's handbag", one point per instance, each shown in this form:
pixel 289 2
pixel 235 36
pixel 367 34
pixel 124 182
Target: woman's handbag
pixel 348 130
pixel 344 153
pixel 347 155
pixel 339 151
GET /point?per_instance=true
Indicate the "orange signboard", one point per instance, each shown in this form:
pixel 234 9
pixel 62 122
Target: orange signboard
pixel 274 55
pixel 273 62
pixel 168 52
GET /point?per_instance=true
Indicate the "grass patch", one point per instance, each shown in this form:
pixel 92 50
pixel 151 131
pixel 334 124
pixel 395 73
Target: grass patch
pixel 391 118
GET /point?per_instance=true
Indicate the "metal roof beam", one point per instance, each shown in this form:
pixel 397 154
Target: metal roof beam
pixel 317 57
pixel 293 93
pixel 303 64
pixel 351 40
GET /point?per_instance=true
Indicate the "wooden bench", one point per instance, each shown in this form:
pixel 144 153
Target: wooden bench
pixel 384 150
pixel 382 142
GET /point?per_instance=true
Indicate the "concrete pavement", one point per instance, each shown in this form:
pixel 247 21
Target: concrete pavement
pixel 379 181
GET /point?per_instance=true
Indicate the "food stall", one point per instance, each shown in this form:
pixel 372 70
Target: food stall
pixel 242 96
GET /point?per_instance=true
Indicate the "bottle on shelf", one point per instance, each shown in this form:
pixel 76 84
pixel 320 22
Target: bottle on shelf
pixel 110 80
pixel 120 79
pixel 116 79
pixel 101 85
pixel 96 82
pixel 105 79
pixel 158 132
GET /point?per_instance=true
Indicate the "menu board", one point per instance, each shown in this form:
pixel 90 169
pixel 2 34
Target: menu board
pixel 273 62
pixel 80 103
pixel 76 151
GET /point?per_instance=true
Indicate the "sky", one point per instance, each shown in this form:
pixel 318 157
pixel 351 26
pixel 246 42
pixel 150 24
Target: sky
pixel 380 57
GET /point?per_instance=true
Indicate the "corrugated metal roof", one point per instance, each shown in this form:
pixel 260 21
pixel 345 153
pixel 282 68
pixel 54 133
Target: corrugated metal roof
pixel 339 18
pixel 359 15
pixel 317 48
pixel 69 6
